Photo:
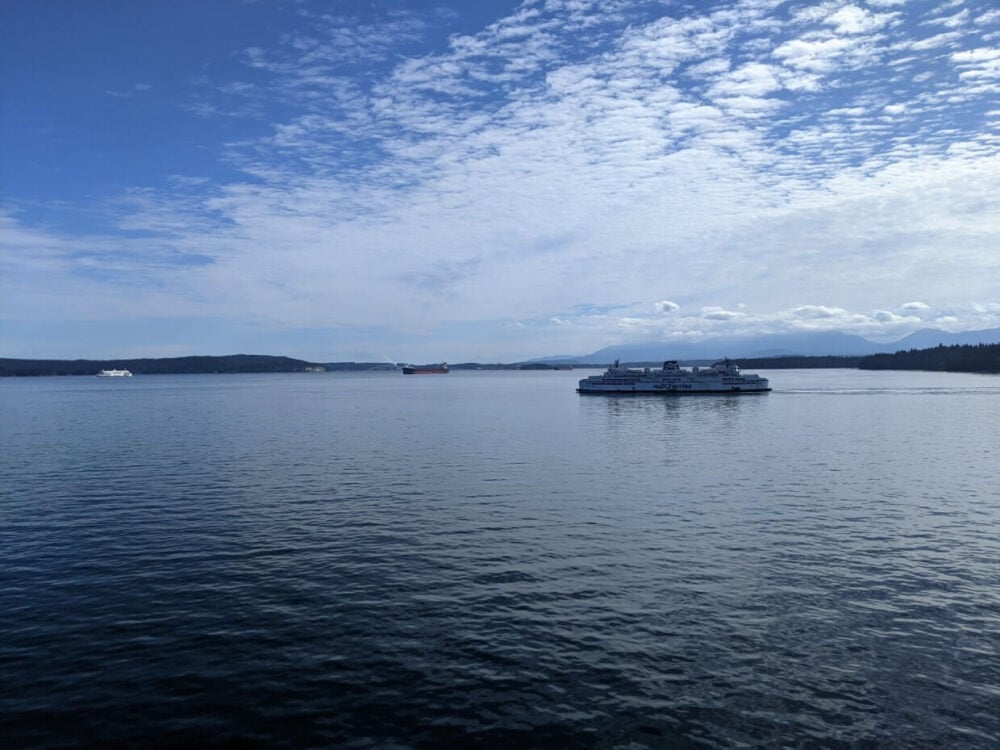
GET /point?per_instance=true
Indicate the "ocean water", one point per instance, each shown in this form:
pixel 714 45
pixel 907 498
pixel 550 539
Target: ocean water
pixel 488 559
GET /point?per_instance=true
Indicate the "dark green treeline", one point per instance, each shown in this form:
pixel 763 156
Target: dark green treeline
pixel 959 358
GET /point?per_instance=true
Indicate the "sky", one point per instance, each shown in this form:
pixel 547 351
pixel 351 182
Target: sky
pixel 491 180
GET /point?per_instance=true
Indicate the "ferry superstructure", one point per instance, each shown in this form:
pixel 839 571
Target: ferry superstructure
pixel 114 374
pixel 722 377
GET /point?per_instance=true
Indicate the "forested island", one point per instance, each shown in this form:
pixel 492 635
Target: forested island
pixel 235 363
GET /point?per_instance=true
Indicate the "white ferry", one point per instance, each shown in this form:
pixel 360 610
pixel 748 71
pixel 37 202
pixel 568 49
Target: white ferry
pixel 114 374
pixel 722 377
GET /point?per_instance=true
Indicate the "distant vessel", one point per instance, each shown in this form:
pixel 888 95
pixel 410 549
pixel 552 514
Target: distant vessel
pixel 722 377
pixel 441 369
pixel 114 374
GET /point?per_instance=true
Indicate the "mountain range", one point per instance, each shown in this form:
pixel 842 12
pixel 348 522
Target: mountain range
pixel 825 343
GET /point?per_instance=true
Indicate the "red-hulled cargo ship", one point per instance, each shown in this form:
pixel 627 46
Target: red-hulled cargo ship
pixel 441 369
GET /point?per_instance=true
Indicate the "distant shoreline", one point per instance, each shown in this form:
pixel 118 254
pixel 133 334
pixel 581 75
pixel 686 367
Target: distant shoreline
pixel 979 358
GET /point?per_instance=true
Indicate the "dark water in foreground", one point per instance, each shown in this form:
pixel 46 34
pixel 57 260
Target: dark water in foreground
pixel 489 559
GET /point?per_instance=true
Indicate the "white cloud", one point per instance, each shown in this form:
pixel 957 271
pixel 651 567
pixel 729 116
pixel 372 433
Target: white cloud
pixel 719 313
pixel 812 312
pixel 850 19
pixel 953 21
pixel 137 88
pixel 820 53
pixel 752 79
pixel 979 65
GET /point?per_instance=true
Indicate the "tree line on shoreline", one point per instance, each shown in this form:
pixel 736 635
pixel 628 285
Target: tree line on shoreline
pixel 941 358
pixel 958 358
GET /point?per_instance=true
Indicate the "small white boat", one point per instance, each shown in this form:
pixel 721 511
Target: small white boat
pixel 114 374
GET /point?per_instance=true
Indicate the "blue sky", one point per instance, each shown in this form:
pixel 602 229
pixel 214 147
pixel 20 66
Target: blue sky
pixel 492 180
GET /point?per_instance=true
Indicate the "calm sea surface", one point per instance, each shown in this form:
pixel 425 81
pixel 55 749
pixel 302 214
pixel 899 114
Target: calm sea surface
pixel 488 559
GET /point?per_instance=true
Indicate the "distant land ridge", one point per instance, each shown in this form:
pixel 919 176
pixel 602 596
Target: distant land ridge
pixel 232 363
